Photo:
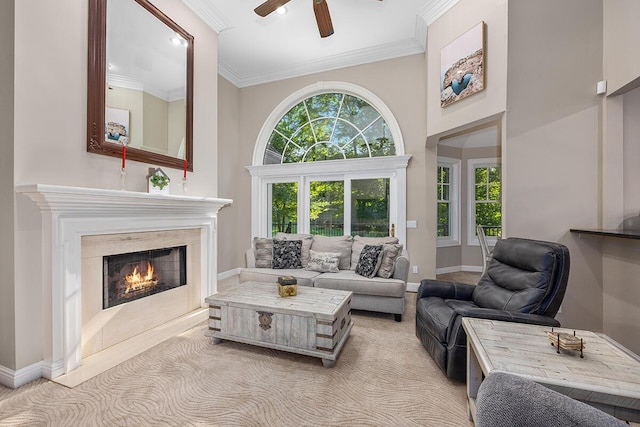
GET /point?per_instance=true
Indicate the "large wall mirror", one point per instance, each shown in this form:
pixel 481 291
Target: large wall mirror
pixel 140 84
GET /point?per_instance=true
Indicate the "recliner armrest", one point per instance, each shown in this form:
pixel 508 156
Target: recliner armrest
pixel 506 316
pixel 444 289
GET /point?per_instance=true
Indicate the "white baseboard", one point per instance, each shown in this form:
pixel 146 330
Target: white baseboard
pixel 229 273
pixel 456 268
pixel 14 379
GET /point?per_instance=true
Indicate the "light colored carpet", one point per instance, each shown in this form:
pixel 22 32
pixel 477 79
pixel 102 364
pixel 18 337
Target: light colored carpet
pixel 469 277
pixel 384 377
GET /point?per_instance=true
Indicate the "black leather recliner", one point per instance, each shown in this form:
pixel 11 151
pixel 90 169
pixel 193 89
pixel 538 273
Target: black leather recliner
pixel 525 282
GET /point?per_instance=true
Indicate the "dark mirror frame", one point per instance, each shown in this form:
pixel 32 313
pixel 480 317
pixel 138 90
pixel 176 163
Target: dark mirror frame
pixel 96 83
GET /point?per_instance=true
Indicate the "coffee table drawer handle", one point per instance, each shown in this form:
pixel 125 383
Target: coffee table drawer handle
pixel 264 319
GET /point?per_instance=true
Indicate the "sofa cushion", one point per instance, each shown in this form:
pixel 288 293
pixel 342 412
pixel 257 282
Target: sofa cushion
pixel 324 262
pixel 358 245
pixel 307 239
pixel 270 275
pixel 263 249
pixel 369 262
pixel 347 280
pixel 341 244
pixel 287 254
pixel 390 252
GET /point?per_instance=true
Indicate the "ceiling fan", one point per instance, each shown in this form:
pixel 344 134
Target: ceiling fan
pixel 320 8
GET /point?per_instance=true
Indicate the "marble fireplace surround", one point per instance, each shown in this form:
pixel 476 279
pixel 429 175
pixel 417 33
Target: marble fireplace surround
pixel 68 214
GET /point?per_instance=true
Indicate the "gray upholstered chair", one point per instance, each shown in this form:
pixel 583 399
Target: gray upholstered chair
pixel 508 400
pixel 525 282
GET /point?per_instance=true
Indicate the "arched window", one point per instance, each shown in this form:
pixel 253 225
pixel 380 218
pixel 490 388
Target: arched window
pixel 329 126
pixel 330 160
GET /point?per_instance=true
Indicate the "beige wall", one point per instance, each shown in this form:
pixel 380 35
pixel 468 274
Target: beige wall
pixel 233 220
pixel 50 138
pixel 551 151
pixel 132 100
pixel 491 101
pixel 620 199
pixel 621 258
pixel 7 215
pixel 400 84
pixel 156 111
pixel 621 63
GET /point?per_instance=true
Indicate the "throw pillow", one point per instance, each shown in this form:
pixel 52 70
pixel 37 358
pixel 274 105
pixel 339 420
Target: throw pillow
pixel 287 254
pixel 359 242
pixel 339 244
pixel 390 252
pixel 369 262
pixel 323 262
pixel 263 249
pixel 307 239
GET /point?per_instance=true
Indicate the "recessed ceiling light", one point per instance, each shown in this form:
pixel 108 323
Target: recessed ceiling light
pixel 178 40
pixel 281 10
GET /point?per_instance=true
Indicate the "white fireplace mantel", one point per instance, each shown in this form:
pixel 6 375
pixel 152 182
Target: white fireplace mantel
pixel 72 212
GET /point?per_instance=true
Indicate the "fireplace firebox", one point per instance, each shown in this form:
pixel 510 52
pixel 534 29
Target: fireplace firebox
pixel 135 275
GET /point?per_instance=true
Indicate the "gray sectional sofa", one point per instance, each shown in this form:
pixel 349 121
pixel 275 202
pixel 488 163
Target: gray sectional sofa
pixel 379 294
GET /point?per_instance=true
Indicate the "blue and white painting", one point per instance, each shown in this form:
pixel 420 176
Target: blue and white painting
pixel 462 66
pixel 117 125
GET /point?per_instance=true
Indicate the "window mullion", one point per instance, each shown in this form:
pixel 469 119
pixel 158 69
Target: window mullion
pixel 347 206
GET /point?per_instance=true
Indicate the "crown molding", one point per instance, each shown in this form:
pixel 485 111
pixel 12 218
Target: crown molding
pixel 434 9
pixel 209 14
pixel 343 60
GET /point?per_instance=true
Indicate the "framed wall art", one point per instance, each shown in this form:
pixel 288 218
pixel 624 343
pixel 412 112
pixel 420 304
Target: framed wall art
pixel 462 66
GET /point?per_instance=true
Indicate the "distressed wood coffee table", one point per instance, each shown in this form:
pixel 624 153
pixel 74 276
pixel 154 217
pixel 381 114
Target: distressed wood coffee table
pixel 315 323
pixel 608 377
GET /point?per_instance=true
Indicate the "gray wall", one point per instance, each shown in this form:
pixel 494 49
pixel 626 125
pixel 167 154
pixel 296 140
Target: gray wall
pixel 7 197
pixel 551 151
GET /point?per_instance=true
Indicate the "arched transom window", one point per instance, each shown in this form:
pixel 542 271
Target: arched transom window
pixel 329 126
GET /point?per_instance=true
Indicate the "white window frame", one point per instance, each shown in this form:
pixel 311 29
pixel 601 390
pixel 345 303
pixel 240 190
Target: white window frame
pixel 472 164
pixel 392 167
pixel 454 202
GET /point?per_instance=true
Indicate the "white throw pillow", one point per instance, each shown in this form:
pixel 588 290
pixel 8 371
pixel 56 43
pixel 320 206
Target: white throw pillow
pixel 323 262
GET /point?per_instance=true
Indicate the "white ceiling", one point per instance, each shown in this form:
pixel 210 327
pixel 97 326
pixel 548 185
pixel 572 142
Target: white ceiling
pixel 254 50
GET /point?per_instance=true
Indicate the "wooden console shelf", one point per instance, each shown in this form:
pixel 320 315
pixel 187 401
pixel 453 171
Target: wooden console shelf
pixel 623 234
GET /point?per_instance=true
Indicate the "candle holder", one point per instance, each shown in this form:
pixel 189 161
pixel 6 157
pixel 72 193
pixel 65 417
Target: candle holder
pixel 123 179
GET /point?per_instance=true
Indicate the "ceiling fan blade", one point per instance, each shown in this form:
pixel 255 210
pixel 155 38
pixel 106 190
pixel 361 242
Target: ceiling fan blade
pixel 323 18
pixel 269 6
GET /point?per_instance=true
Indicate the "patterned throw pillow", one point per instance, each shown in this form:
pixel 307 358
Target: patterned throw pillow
pixel 324 262
pixel 287 254
pixel 263 249
pixel 369 262
pixel 307 240
pixel 390 253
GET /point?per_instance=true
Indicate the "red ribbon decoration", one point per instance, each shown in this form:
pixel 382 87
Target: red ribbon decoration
pixel 124 154
pixel 184 176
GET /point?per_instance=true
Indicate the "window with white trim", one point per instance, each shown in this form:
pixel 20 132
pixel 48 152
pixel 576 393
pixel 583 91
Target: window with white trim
pixel 330 160
pixel 485 199
pixel 448 207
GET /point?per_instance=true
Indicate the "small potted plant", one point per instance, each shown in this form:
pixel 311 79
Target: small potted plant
pixel 158 181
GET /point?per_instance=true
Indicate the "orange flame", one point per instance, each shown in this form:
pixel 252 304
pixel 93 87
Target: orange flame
pixel 136 281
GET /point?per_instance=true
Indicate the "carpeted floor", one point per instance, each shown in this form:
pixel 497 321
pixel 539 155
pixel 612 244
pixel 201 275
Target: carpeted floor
pixel 384 377
pixel 469 277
